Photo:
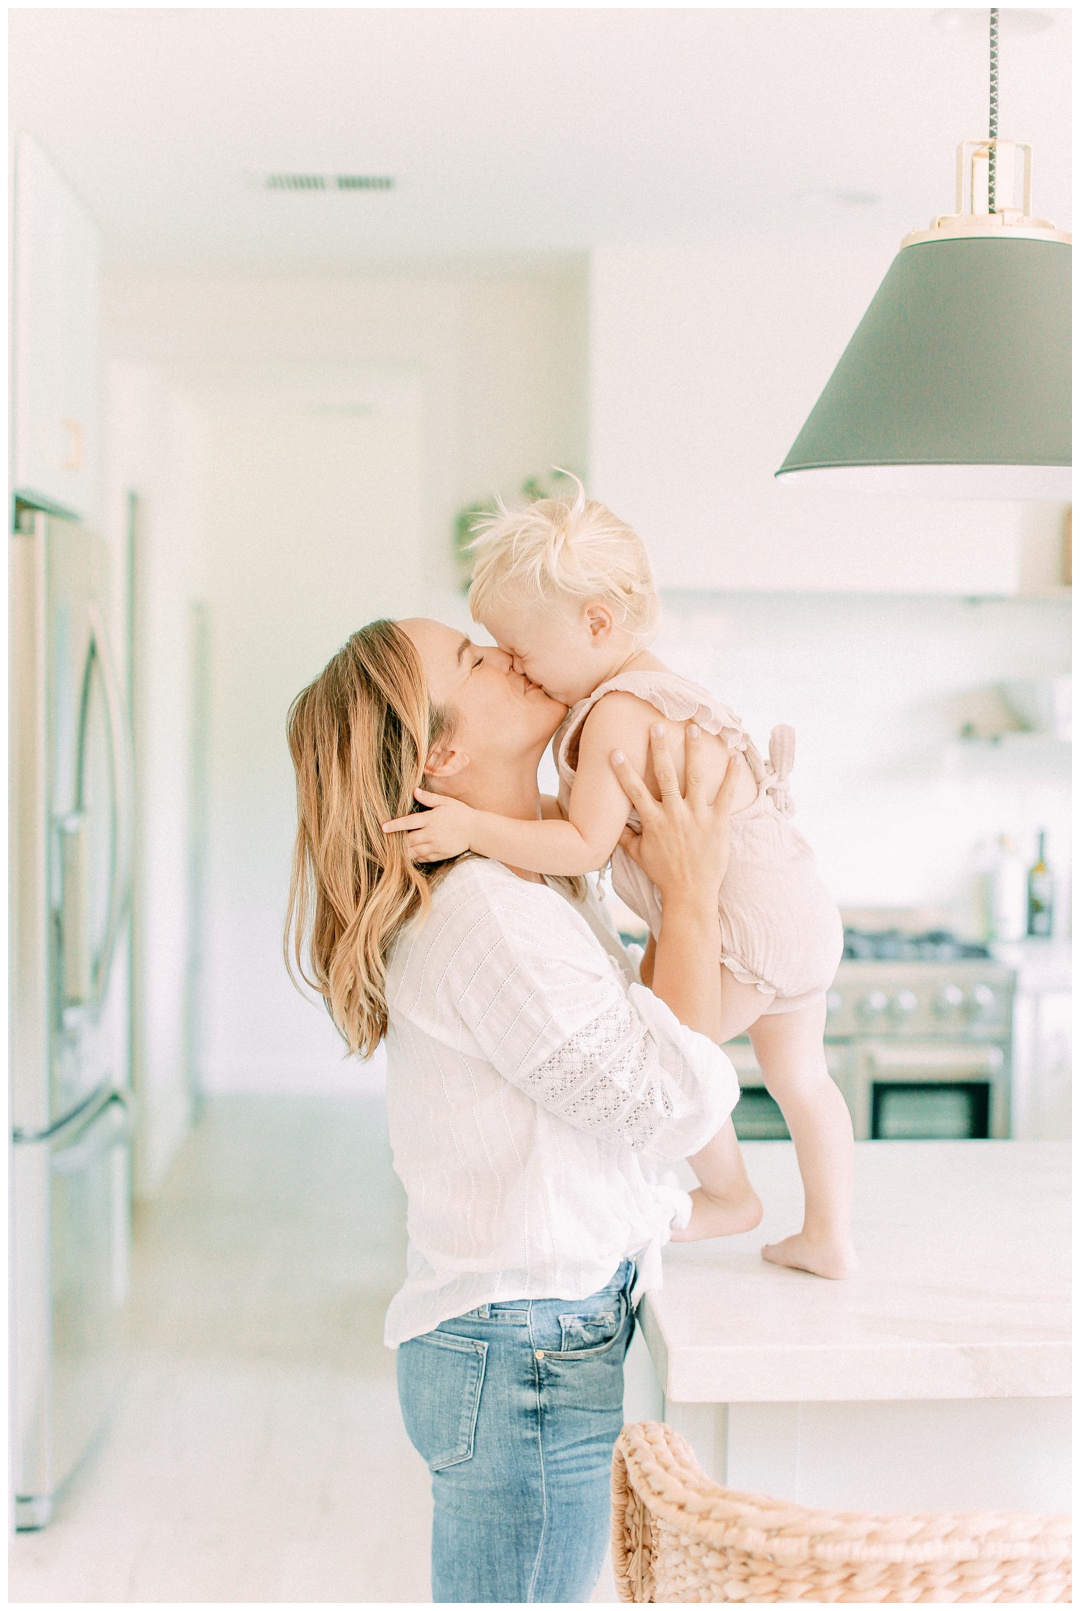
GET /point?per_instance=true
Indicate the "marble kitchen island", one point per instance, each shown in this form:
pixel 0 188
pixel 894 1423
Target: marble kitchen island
pixel 937 1378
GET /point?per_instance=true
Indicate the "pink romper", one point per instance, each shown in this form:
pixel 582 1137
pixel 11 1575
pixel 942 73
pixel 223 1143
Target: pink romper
pixel 779 926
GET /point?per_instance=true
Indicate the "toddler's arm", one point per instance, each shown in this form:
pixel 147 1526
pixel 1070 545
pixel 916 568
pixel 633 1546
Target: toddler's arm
pixel 598 808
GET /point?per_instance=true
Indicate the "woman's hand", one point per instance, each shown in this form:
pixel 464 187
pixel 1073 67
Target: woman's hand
pixel 684 843
pixel 683 847
pixel 438 833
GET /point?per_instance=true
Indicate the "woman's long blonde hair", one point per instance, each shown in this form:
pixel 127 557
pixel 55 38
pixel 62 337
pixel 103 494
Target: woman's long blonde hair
pixel 359 736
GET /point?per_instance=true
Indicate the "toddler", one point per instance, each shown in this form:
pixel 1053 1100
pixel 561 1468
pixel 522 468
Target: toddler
pixel 566 589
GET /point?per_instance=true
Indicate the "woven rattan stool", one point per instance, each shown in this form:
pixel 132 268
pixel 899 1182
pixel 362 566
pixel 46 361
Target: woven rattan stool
pixel 679 1537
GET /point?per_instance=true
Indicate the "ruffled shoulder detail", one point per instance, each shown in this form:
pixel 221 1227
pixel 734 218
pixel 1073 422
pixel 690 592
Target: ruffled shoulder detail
pixel 673 696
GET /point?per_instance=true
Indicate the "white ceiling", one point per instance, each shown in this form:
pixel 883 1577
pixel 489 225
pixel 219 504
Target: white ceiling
pixel 518 130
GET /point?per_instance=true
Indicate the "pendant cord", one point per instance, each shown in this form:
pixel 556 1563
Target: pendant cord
pixel 992 175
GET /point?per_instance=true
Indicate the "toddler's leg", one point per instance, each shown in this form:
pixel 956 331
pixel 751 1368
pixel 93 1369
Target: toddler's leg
pixel 790 1050
pixel 725 1203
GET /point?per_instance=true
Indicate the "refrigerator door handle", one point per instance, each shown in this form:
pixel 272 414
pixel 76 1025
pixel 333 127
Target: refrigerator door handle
pixel 76 962
pixel 123 802
pixel 94 1143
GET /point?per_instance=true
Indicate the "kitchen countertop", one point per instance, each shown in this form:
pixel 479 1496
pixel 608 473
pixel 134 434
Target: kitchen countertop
pixel 962 1292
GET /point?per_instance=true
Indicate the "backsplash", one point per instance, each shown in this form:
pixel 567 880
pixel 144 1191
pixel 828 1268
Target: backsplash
pixel 899 808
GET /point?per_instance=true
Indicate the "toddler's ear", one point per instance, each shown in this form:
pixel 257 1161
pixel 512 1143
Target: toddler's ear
pixel 599 620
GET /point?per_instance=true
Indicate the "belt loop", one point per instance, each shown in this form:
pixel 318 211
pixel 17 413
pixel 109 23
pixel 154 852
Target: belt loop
pixel 633 1282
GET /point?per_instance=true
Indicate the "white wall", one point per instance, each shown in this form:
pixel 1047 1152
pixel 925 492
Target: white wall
pixel 345 423
pixel 314 525
pixel 900 811
pixel 155 447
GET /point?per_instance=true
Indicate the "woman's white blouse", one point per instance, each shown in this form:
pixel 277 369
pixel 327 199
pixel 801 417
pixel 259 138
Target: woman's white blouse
pixel 533 1089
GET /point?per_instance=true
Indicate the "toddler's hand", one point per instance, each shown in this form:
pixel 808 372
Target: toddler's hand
pixel 438 833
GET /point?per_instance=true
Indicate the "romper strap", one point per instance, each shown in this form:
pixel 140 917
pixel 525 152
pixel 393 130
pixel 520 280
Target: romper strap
pixel 781 760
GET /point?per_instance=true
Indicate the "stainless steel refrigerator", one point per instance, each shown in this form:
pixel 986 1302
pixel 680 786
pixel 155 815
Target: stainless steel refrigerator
pixel 70 870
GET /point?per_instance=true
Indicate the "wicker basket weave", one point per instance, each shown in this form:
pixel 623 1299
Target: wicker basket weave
pixel 678 1537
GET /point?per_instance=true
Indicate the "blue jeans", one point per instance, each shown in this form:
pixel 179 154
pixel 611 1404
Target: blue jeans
pixel 516 1408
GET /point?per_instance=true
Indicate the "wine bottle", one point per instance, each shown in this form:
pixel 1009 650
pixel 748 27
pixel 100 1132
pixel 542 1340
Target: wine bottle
pixel 1040 902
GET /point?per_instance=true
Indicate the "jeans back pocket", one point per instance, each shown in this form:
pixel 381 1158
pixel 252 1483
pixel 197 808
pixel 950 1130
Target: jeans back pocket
pixel 440 1377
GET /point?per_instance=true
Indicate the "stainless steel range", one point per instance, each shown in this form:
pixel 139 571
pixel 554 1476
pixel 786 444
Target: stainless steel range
pixel 918 1038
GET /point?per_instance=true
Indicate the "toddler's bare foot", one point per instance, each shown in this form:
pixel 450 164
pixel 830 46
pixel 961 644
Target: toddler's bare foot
pixel 718 1215
pixel 835 1260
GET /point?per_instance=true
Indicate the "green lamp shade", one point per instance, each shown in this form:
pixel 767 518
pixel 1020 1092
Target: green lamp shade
pixel 958 380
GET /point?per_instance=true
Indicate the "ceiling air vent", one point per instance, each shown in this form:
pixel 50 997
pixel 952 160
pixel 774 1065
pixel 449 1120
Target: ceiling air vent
pixel 363 181
pixel 328 181
pixel 296 181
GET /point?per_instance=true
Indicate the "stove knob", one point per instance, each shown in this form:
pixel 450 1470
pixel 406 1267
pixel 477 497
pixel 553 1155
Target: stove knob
pixel 834 1001
pixel 904 1003
pixel 873 1003
pixel 983 1001
pixel 950 1000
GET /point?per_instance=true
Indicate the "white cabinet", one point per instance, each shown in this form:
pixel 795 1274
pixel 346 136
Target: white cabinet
pixel 1042 1039
pixel 1042 1065
pixel 704 363
pixel 56 409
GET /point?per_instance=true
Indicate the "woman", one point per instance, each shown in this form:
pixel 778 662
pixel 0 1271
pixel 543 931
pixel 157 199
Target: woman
pixel 533 1086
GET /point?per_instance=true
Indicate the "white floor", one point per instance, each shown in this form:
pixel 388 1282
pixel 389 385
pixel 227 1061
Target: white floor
pixel 257 1453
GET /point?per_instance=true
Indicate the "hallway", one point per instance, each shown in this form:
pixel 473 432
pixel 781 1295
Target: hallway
pixel 257 1453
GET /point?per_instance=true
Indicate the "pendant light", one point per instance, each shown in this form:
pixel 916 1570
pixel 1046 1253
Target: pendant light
pixel 957 381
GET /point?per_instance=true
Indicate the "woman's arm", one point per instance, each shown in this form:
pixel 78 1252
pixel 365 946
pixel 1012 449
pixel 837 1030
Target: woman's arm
pixel 512 973
pixel 551 1016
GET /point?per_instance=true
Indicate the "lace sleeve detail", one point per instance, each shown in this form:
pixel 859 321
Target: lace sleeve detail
pixel 606 1079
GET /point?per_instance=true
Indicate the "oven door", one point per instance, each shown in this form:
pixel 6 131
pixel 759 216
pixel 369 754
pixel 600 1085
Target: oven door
pixel 930 1090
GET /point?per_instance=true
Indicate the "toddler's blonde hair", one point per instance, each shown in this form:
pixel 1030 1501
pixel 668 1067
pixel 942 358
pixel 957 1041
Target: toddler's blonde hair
pixel 571 547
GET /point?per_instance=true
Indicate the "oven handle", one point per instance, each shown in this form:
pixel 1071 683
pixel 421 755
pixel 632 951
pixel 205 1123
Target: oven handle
pixel 123 802
pixel 934 1062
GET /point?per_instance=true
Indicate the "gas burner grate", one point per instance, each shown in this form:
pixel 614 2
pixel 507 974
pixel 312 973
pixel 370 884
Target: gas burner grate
pixel 894 945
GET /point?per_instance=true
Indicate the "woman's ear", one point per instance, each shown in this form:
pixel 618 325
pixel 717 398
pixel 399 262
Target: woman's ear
pixel 445 762
pixel 599 621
